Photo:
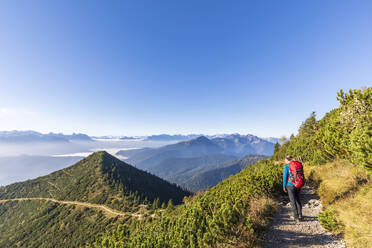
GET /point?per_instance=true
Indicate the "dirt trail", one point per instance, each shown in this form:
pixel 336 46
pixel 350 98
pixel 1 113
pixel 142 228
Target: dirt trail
pixel 286 233
pixel 84 204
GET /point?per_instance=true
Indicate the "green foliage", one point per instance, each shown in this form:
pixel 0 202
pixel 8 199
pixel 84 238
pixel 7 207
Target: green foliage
pixel 220 217
pixel 276 147
pixel 100 179
pixel 328 220
pixel 343 133
pixel 46 224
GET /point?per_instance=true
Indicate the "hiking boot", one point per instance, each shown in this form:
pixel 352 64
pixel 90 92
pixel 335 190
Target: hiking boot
pixel 292 218
pixel 300 218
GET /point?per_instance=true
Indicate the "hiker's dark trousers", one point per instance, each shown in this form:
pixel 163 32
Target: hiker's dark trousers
pixel 294 197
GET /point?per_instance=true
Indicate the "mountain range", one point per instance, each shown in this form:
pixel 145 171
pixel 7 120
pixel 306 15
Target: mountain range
pixel 186 149
pixel 188 161
pixel 167 137
pixel 234 145
pixel 32 136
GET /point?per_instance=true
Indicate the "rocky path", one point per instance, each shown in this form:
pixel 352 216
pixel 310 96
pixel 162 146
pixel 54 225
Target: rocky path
pixel 286 233
pixel 84 204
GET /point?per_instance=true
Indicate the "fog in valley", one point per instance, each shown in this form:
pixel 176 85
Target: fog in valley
pixel 20 161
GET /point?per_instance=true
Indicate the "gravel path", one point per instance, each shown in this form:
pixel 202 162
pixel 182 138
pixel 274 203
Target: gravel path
pixel 284 232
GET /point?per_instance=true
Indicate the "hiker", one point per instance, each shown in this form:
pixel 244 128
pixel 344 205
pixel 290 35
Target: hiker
pixel 293 180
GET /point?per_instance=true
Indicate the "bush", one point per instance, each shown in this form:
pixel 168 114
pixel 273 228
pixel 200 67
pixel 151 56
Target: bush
pixel 343 133
pixel 328 220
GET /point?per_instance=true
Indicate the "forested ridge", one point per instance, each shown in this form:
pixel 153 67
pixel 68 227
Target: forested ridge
pixel 343 133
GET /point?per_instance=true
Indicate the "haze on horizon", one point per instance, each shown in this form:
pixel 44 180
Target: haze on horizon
pixel 142 67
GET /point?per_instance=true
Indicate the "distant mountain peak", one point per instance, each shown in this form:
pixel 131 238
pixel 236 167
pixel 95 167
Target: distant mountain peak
pixel 202 139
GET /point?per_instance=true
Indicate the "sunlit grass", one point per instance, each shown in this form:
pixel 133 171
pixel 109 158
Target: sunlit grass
pixel 347 189
pixel 337 179
pixel 355 212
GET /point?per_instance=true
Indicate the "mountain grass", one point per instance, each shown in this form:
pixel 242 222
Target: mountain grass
pixel 336 179
pixel 346 193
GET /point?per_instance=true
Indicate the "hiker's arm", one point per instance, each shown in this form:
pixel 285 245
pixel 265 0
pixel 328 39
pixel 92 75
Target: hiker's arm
pixel 285 178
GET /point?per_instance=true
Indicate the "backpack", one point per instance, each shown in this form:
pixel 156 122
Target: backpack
pixel 296 174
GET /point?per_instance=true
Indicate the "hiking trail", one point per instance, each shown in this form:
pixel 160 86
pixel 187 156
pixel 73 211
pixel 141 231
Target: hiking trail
pixel 286 233
pixel 84 204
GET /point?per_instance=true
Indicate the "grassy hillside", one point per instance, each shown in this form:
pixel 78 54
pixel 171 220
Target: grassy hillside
pixel 228 215
pixel 337 151
pixel 346 193
pixel 100 179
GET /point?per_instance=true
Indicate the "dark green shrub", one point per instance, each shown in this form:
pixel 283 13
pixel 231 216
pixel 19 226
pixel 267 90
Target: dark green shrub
pixel 328 220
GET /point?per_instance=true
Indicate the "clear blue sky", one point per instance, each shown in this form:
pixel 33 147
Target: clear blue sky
pixel 148 67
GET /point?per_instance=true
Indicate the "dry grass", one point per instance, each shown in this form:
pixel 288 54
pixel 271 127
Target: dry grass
pixel 355 212
pixel 260 209
pixel 337 179
pixel 348 190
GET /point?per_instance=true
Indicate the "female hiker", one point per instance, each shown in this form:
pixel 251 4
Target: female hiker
pixel 293 180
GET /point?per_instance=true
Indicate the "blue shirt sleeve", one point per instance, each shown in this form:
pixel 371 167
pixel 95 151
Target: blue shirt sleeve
pixel 285 176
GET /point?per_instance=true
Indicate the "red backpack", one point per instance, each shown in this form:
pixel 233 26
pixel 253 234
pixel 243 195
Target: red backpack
pixel 296 174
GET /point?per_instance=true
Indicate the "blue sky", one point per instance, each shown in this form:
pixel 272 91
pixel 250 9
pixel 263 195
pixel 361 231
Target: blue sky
pixel 148 67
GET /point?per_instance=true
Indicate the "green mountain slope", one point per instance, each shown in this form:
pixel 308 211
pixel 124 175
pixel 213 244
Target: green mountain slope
pixel 212 176
pixel 227 215
pixel 101 179
pixel 179 170
pixel 46 224
pixel 84 198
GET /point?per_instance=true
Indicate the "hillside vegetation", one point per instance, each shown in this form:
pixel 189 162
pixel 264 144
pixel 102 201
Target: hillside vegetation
pixel 343 133
pixel 337 151
pixel 232 213
pixel 44 224
pixel 100 179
